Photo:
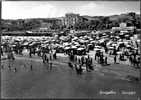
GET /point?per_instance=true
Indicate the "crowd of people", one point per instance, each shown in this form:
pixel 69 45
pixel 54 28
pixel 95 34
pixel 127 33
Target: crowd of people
pixel 77 48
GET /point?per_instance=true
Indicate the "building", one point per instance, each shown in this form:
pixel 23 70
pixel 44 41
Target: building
pixel 53 21
pixel 123 27
pixel 71 19
pixel 50 23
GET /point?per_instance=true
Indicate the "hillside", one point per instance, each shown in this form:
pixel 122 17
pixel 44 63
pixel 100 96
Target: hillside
pixel 29 24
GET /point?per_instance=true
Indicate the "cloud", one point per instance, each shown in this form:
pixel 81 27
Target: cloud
pixel 42 11
pixel 14 11
pixel 48 9
pixel 89 9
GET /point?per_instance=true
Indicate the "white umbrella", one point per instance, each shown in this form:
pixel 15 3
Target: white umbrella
pixel 135 48
pixel 114 44
pixel 67 48
pixel 102 40
pixel 76 43
pixel 111 47
pixel 73 47
pixel 82 41
pixel 75 38
pixel 60 46
pixel 80 49
pixel 120 42
pixel 89 44
pixel 117 37
pixel 96 49
pixel 85 36
pixel 138 40
pixel 120 52
pixel 86 41
pixel 126 42
pixel 13 45
pixel 128 45
pixel 26 43
pixel 126 35
pixel 66 44
pixel 46 41
pixel 92 42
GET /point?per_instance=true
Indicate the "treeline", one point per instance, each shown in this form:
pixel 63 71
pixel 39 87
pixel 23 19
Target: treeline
pixel 19 25
pixel 132 19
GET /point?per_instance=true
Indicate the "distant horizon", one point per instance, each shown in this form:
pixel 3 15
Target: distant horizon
pixel 14 10
pixel 64 16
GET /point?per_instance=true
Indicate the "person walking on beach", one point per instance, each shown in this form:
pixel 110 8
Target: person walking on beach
pixel 106 60
pixel 80 69
pixel 87 65
pixel 50 65
pixel 2 66
pixel 15 69
pixel 43 57
pixel 70 65
pixel 115 59
pixel 31 67
pixel 50 56
pixel 76 68
pixel 131 60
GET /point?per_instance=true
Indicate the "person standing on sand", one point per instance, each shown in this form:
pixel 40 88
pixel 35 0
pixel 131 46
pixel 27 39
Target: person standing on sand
pixel 50 65
pixel 115 59
pixel 15 69
pixel 106 60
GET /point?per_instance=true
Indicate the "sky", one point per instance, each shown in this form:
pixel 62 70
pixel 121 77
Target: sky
pixel 49 9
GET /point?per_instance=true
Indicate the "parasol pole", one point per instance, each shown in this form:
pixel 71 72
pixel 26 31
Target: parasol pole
pixel 140 57
pixel 0 31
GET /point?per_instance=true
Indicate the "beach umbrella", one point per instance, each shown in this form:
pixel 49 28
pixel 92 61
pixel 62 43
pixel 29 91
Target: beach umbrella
pixel 92 42
pixel 80 49
pixel 111 47
pixel 74 47
pixel 85 36
pixel 46 41
pixel 121 33
pixel 66 44
pixel 127 35
pixel 75 38
pixel 17 40
pixel 97 49
pixel 89 44
pixel 97 46
pixel 117 37
pixel 76 43
pixel 114 44
pixel 120 42
pixel 120 52
pixel 66 48
pixel 90 39
pixel 126 42
pixel 101 40
pixel 26 43
pixel 82 41
pixel 138 40
pixel 135 48
pixel 13 45
pixel 128 45
pixel 60 46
